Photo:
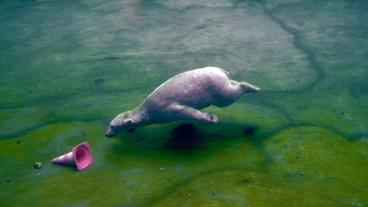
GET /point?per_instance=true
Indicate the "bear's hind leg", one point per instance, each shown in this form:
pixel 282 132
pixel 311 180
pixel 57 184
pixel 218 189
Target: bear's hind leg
pixel 228 92
pixel 186 112
pixel 248 88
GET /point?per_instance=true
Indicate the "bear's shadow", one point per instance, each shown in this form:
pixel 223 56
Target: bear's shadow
pixel 185 137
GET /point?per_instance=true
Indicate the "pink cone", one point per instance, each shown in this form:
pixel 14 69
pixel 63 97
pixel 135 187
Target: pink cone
pixel 80 156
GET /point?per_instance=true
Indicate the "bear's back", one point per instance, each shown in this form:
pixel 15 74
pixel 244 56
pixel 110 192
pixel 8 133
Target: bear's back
pixel 193 88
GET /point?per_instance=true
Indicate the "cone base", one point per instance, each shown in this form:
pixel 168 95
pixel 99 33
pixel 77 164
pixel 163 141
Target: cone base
pixel 80 157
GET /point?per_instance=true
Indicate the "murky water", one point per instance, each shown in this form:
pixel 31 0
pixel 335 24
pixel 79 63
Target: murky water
pixel 68 67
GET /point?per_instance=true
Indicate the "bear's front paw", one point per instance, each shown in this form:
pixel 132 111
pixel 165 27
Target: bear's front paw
pixel 211 117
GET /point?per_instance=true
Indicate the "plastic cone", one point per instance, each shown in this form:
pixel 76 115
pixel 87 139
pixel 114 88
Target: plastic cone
pixel 80 157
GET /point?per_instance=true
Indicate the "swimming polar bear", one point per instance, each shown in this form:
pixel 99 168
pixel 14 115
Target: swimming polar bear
pixel 181 97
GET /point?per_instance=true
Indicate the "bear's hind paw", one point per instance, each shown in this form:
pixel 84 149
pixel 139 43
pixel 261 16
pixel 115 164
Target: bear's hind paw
pixel 210 117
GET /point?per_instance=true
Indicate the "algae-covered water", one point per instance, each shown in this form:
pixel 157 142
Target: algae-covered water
pixel 68 67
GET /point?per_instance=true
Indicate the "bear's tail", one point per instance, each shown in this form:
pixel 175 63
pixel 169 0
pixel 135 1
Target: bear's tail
pixel 225 71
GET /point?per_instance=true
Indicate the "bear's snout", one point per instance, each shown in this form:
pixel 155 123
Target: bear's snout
pixel 109 133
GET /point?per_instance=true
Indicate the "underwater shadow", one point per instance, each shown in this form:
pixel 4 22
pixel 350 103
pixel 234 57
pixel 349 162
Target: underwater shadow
pixel 191 136
pixel 185 136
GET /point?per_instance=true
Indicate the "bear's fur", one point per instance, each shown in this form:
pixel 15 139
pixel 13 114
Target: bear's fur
pixel 181 97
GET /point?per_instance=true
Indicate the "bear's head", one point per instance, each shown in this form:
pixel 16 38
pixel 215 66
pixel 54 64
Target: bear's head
pixel 121 122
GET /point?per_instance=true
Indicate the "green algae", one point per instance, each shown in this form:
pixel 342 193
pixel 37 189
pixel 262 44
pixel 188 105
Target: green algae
pixel 322 161
pixel 306 166
pixel 308 143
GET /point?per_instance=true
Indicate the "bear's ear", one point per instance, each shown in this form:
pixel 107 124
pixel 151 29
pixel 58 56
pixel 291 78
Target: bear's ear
pixel 128 121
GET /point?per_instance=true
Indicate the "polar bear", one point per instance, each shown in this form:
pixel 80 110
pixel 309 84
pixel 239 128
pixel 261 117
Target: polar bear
pixel 181 97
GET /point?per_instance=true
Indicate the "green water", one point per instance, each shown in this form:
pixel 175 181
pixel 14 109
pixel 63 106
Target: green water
pixel 68 67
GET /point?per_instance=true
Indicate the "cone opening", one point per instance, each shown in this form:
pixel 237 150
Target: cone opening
pixel 82 157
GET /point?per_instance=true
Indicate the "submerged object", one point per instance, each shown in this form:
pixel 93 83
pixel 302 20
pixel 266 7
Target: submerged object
pixel 249 130
pixel 80 157
pixel 99 81
pixel 37 165
pixel 181 98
